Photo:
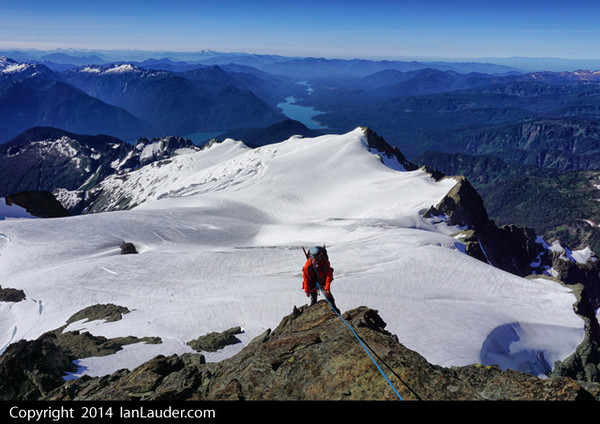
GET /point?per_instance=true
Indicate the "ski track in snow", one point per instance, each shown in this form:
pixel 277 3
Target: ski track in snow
pixel 109 271
pixel 220 242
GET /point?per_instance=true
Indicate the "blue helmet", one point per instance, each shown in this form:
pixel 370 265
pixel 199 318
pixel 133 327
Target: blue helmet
pixel 316 252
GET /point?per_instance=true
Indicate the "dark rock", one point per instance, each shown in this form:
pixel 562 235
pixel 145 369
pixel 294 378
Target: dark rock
pixel 584 363
pixel 212 342
pixel 31 369
pixel 42 204
pixel 435 174
pixel 128 248
pixel 11 295
pixel 509 248
pixel 108 312
pixel 311 355
pixel 462 206
pixel 161 378
pixel 84 345
pixel 491 383
pixel 378 144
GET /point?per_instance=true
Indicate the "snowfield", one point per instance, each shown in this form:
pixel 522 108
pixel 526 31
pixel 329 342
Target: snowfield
pixel 220 234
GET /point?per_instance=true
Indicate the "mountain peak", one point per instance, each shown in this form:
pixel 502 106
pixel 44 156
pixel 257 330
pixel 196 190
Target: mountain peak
pixel 391 155
pixel 8 65
pixel 17 71
pixel 116 69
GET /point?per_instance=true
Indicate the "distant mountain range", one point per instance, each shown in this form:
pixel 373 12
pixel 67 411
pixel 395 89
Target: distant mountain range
pixel 260 61
pixel 129 102
pixel 218 92
pixel 211 57
pixel 416 111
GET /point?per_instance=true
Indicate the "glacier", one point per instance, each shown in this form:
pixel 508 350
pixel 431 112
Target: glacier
pixel 220 234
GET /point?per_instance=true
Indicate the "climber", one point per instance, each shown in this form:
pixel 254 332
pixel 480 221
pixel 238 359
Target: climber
pixel 318 269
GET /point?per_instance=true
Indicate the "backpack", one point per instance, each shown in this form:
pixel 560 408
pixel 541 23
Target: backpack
pixel 319 249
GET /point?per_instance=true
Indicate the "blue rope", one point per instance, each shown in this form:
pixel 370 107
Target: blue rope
pixel 361 342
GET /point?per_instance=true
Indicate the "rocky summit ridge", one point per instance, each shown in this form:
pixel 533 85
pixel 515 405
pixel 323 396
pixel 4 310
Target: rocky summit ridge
pixel 312 355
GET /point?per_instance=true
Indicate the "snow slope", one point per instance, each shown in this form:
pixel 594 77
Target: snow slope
pixel 220 235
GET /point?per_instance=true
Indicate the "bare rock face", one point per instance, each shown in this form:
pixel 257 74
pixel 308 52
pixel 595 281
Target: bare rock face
pixel 42 204
pixel 314 355
pixel 108 312
pixel 213 342
pixel 11 295
pixel 29 370
pixel 376 143
pixel 510 248
pixel 127 248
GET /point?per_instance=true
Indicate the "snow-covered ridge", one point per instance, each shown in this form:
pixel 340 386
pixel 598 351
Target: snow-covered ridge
pixel 120 69
pixel 231 163
pixel 220 234
pixel 64 147
pixel 117 69
pixel 12 69
pixel 10 66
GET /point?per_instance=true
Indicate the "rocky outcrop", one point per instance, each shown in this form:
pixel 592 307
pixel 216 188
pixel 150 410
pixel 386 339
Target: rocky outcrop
pixel 128 248
pixel 108 312
pixel 42 204
pixel 377 144
pixel 11 295
pixel 29 370
pixel 509 248
pixel 584 363
pixel 213 342
pixel 311 355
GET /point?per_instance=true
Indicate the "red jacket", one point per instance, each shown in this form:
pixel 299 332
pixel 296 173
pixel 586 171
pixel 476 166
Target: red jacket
pixel 325 275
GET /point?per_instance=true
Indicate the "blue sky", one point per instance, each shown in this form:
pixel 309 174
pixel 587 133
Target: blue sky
pixel 335 29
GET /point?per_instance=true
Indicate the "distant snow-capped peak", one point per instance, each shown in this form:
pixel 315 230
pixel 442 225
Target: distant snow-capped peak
pixel 118 69
pixel 10 66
